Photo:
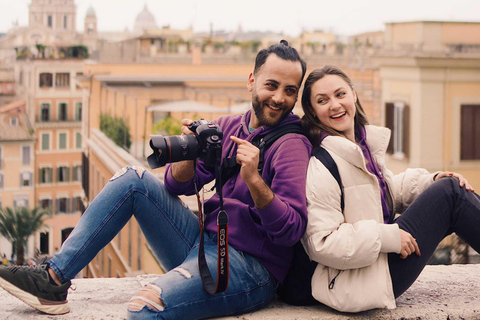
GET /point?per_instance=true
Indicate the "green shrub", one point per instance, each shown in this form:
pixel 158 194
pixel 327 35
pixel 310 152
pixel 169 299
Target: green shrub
pixel 116 130
pixel 167 126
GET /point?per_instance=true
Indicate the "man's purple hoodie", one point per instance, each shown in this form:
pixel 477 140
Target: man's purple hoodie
pixel 267 234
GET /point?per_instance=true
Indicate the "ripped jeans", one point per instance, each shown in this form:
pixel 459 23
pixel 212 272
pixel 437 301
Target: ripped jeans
pixel 172 231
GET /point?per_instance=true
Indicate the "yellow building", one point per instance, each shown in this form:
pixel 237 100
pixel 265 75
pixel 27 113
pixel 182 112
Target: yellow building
pixel 430 75
pixel 316 42
pixel 17 167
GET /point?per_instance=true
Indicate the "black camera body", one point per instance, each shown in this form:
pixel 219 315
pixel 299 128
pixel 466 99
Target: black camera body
pixel 205 144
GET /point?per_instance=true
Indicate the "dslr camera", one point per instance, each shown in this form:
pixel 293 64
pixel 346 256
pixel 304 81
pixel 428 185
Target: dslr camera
pixel 205 144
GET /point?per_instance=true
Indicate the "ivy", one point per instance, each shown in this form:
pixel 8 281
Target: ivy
pixel 116 130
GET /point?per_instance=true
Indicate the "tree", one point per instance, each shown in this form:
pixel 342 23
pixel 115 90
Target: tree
pixel 41 50
pixel 18 224
pixel 168 125
pixel 116 130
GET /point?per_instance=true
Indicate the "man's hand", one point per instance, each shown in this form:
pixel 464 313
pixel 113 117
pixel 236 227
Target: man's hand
pixel 185 124
pixel 408 245
pixel 182 171
pixel 248 157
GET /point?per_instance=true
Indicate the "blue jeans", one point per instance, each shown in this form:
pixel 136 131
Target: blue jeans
pixel 441 209
pixel 172 231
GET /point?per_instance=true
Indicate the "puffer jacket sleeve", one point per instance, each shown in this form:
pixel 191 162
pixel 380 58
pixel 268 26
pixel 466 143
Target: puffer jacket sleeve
pixel 329 239
pixel 408 185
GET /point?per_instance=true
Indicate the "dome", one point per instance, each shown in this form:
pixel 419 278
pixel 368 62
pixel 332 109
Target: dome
pixel 91 11
pixel 145 20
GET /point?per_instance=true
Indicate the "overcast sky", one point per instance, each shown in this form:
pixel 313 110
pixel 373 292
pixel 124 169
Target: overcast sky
pixel 344 17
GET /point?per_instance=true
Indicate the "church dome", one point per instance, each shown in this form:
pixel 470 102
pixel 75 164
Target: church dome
pixel 145 20
pixel 91 11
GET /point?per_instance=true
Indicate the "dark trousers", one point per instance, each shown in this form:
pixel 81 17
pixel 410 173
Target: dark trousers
pixel 443 208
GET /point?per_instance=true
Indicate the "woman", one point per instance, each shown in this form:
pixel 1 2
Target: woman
pixel 367 258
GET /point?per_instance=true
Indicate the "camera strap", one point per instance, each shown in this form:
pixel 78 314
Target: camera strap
pixel 222 243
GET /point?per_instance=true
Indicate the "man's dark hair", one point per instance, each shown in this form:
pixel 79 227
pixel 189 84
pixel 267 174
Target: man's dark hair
pixel 283 51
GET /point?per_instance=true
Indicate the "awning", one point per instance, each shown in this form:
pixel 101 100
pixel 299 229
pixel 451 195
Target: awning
pixel 195 106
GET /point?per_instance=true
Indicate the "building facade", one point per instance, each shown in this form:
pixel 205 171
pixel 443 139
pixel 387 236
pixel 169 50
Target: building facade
pixel 430 75
pixel 17 165
pixel 54 106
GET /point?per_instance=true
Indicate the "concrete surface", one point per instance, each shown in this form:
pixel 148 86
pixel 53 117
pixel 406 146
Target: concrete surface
pixel 441 292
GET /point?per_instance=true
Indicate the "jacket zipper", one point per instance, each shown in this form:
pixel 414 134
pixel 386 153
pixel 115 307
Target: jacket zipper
pixel 332 283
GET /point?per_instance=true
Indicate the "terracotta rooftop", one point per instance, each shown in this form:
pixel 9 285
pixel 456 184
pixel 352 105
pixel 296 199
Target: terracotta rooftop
pixel 14 132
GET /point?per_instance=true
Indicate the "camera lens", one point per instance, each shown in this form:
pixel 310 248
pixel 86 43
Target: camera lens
pixel 172 149
pixel 184 147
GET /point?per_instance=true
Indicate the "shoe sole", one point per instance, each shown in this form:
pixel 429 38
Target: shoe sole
pixel 50 307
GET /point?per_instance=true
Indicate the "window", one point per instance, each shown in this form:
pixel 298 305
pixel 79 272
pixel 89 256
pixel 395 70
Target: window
pixel 46 80
pixel 470 131
pixel 62 80
pixel 45 112
pixel 66 233
pixel 78 205
pixel 63 205
pixel 77 173
pixel 20 77
pixel 26 179
pixel 62 111
pixel 45 141
pixel 64 22
pixel 46 204
pixel 78 140
pixel 45 175
pixel 50 21
pixel 78 111
pixel 1 160
pixel 1 180
pixel 14 122
pixel 63 174
pixel 397 120
pixel 62 141
pixel 44 243
pixel 78 86
pixel 20 201
pixel 26 155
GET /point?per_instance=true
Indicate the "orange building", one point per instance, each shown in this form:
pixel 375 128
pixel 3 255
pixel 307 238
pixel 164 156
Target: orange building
pixel 54 105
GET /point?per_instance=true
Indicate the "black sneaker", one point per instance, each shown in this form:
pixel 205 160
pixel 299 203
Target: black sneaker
pixel 31 284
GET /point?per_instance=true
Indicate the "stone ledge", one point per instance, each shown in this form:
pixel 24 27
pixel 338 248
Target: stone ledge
pixel 441 292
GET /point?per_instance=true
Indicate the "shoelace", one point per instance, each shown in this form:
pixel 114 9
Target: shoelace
pixel 35 269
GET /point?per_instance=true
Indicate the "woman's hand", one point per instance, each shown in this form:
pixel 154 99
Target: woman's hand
pixel 408 245
pixel 463 181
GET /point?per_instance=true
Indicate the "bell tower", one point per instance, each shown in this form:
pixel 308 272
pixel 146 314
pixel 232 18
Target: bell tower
pixel 90 22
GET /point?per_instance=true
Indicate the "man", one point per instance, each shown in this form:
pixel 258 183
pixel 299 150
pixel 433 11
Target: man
pixel 267 214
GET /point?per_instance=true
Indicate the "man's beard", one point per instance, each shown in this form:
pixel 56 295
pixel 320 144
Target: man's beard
pixel 261 109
